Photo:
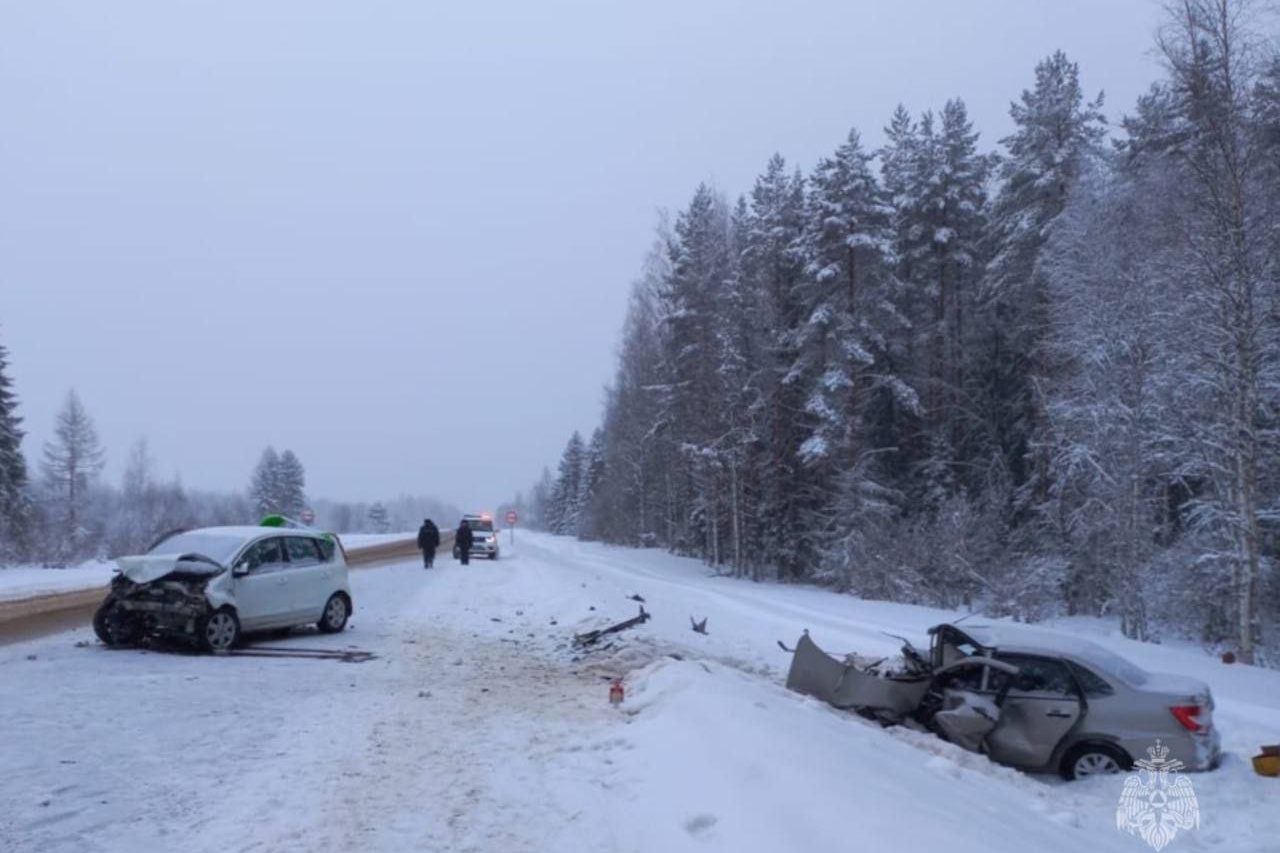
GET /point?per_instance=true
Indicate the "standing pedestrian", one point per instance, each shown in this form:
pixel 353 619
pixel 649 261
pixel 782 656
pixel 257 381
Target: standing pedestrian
pixel 464 539
pixel 428 542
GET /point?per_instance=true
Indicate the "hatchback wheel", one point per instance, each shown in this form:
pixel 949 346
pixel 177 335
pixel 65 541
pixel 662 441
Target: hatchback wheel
pixel 220 630
pixel 114 627
pixel 1089 760
pixel 335 615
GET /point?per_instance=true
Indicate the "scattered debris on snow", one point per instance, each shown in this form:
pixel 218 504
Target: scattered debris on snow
pixel 592 637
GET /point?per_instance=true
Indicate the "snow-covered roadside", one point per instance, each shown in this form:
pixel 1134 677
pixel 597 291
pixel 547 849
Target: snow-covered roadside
pixel 365 540
pixel 477 730
pixel 1237 807
pixel 29 581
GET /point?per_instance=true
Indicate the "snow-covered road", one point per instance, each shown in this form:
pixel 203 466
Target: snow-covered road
pixel 476 729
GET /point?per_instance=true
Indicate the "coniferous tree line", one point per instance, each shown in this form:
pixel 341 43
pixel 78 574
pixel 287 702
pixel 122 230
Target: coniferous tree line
pixel 63 513
pixel 401 514
pixel 1036 381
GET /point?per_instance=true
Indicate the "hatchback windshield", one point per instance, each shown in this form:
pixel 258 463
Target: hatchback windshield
pixel 480 525
pixel 216 546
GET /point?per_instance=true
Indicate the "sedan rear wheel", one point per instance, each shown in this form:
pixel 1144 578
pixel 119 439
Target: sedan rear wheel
pixel 220 630
pixel 1090 760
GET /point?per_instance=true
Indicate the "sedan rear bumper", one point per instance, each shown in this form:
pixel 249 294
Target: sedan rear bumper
pixel 1198 752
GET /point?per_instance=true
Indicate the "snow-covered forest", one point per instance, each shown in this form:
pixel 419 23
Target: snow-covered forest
pixel 1031 381
pixel 63 512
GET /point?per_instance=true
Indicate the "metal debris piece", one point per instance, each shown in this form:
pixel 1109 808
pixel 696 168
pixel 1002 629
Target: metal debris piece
pixel 591 637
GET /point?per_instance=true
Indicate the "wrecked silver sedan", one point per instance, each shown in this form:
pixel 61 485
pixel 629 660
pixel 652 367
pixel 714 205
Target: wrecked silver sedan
pixel 1029 699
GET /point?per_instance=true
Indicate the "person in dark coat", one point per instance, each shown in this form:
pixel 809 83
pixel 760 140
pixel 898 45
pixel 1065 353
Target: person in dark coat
pixel 464 539
pixel 428 542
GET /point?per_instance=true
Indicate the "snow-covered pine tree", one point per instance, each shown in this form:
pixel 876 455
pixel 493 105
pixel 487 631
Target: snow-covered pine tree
pixel 959 203
pixel 593 475
pixel 379 518
pixel 565 503
pixel 849 317
pixel 936 180
pixel 693 303
pixel 741 343
pixel 1057 132
pixel 291 485
pixel 131 526
pixel 70 463
pixel 15 515
pixel 540 501
pixel 772 260
pixel 264 487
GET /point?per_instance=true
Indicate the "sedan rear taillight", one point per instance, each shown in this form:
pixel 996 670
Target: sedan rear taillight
pixel 1189 716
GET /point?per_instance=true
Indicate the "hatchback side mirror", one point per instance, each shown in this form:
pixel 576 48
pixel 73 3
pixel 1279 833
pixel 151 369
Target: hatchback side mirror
pixel 240 570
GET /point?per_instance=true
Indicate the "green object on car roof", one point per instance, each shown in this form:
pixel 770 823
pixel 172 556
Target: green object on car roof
pixel 278 520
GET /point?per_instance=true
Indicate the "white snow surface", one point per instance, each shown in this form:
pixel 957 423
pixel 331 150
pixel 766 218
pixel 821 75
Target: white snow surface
pixel 29 581
pixel 479 729
pixel 365 540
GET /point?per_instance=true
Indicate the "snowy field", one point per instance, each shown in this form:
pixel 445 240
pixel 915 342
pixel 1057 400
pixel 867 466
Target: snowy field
pixel 364 540
pixel 477 730
pixel 28 581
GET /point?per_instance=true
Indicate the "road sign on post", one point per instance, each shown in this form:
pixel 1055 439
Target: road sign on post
pixel 512 518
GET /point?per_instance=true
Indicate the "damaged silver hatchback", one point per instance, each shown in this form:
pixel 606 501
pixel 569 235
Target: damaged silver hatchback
pixel 207 586
pixel 1034 700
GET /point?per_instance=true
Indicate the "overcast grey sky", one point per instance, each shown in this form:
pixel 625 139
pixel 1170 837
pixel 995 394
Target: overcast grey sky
pixel 397 237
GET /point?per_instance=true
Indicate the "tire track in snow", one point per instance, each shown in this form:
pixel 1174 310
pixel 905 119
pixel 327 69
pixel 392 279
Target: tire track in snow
pixel 478 737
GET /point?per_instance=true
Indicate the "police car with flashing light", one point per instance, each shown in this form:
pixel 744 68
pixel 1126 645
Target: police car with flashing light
pixel 484 537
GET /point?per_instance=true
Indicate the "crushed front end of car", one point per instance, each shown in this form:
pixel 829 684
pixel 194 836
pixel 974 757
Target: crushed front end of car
pixel 160 598
pixel 889 689
pixel 938 693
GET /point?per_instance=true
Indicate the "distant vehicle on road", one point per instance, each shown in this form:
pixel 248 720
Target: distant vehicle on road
pixel 209 585
pixel 485 543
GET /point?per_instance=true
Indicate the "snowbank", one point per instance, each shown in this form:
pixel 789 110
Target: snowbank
pixel 30 581
pixel 721 759
pixel 364 540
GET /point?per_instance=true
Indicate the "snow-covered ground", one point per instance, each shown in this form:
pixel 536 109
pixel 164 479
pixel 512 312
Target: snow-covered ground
pixel 28 581
pixel 479 729
pixel 364 540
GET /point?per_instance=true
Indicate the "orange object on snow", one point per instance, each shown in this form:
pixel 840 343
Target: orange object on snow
pixel 616 692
